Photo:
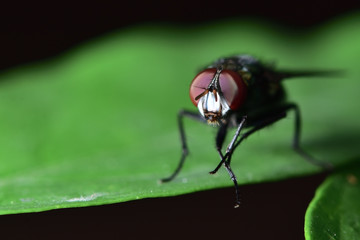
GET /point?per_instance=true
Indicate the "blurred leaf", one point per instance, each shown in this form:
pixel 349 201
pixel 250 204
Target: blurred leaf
pixel 98 124
pixel 334 213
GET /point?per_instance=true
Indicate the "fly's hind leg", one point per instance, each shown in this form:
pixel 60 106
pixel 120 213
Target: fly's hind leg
pixel 296 141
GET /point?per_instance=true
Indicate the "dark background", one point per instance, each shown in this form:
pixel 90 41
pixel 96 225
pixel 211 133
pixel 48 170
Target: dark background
pixel 37 30
pixel 40 30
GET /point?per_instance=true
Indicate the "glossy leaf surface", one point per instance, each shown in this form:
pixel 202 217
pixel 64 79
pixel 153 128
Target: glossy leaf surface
pixel 334 213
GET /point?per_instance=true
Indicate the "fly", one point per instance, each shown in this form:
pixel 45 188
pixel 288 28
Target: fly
pixel 240 92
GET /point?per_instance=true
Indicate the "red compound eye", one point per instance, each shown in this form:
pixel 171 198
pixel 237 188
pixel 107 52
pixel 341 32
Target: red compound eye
pixel 200 83
pixel 232 86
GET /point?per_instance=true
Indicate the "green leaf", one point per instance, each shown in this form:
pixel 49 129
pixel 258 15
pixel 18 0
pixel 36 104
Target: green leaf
pixel 97 125
pixel 334 213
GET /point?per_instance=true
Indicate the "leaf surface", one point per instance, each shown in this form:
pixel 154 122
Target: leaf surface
pixel 334 213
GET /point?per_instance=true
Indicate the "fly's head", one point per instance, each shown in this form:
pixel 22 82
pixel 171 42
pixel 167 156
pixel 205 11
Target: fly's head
pixel 211 102
pixel 215 92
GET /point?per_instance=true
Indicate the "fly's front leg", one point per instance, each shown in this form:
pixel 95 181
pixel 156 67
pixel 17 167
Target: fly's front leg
pixel 226 160
pixel 233 178
pixel 231 145
pixel 219 142
pixel 185 151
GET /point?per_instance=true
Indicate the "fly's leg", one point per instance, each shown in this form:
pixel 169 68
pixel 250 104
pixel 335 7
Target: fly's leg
pixel 233 144
pixel 296 141
pixel 267 121
pixel 220 137
pixel 225 160
pixel 274 117
pixel 233 178
pixel 219 144
pixel 185 151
